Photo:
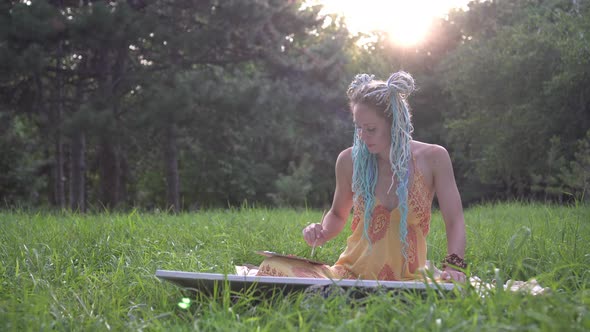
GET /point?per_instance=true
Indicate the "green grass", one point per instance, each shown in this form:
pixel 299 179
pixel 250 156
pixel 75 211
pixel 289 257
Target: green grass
pixel 96 272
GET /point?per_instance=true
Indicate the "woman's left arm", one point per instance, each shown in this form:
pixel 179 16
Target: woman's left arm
pixel 449 200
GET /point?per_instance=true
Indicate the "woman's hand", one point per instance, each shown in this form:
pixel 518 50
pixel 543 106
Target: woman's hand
pixel 450 274
pixel 315 235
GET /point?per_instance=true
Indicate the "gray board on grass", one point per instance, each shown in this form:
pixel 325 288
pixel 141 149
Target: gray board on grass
pixel 207 282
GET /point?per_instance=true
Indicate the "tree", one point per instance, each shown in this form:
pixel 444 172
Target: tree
pixel 241 50
pixel 501 81
pixel 30 32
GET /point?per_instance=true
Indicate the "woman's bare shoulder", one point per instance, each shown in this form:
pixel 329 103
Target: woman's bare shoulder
pixel 430 157
pixel 428 151
pixel 346 154
pixel 344 161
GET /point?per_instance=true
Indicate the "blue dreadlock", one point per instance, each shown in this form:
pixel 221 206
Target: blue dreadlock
pixel 389 97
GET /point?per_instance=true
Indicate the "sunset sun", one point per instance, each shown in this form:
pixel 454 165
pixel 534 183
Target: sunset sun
pixel 406 21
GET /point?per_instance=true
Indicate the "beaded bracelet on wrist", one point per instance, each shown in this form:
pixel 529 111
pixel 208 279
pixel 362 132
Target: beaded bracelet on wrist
pixel 453 260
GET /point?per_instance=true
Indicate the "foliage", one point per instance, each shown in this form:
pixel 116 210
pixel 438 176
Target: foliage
pixel 509 96
pixel 217 76
pixel 20 185
pixel 194 104
pixel 576 174
pixel 293 188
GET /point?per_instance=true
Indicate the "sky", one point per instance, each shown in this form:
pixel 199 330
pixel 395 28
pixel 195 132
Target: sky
pixel 406 21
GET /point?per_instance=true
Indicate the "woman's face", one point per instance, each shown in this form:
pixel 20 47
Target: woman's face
pixel 372 128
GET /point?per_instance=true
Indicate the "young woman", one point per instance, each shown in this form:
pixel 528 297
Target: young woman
pixel 389 180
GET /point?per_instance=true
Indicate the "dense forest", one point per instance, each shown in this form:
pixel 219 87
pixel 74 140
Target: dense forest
pixel 189 104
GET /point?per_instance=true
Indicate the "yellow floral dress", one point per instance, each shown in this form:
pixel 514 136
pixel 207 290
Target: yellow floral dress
pixel 380 260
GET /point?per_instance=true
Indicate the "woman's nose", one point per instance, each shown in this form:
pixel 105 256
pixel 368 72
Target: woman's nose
pixel 363 135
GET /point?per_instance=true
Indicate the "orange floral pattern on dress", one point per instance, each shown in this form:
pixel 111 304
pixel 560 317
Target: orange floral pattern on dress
pixel 419 199
pixel 266 270
pixel 359 208
pixel 379 223
pixel 386 273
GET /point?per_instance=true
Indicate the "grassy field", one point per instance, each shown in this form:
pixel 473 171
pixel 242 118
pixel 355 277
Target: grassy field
pixel 96 272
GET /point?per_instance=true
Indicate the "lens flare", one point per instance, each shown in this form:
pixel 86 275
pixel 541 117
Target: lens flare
pixel 185 303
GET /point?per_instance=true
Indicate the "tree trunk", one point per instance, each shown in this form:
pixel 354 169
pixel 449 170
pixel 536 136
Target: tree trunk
pixel 107 152
pixel 60 195
pixel 78 156
pixel 124 175
pixel 118 73
pixel 109 174
pixel 58 172
pixel 78 172
pixel 171 160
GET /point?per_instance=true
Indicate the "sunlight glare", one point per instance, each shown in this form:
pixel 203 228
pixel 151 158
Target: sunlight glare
pixel 406 21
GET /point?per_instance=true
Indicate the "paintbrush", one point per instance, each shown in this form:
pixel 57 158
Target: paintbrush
pixel 316 239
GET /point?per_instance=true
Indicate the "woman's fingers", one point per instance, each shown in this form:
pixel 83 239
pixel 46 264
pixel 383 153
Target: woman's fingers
pixel 313 234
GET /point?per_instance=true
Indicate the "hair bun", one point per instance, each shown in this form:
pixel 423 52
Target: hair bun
pixel 359 81
pixel 402 83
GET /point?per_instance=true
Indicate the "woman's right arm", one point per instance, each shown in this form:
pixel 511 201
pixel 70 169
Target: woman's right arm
pixel 335 219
